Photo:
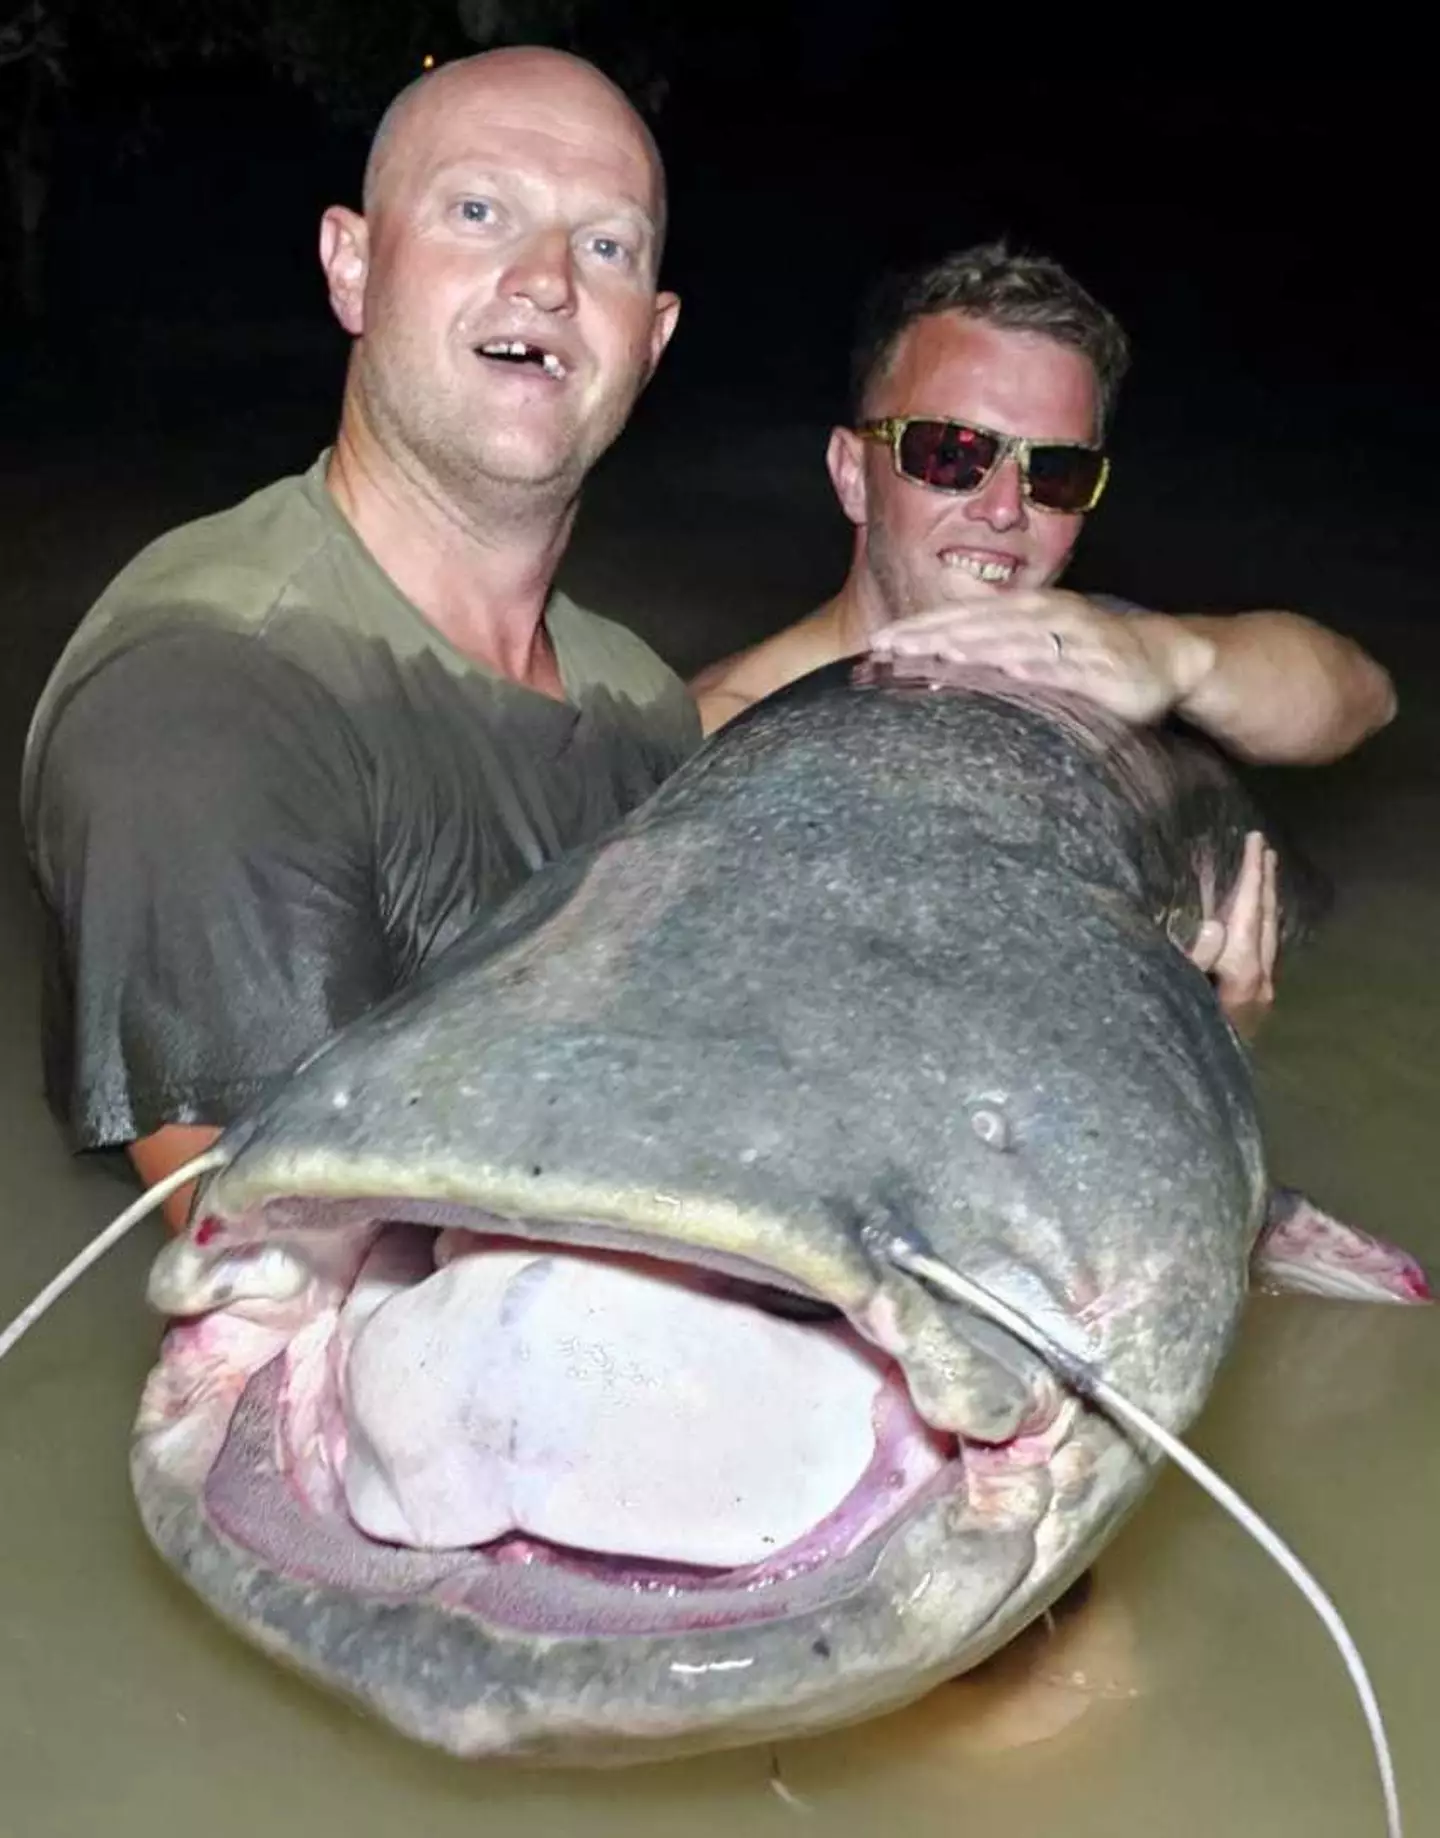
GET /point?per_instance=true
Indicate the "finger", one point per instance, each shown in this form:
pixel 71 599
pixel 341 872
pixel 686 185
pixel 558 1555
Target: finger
pixel 1085 665
pixel 989 616
pixel 1000 615
pixel 967 631
pixel 1031 609
pixel 1240 965
pixel 1242 905
pixel 1270 917
pixel 920 628
pixel 1005 644
pixel 1209 943
pixel 1034 673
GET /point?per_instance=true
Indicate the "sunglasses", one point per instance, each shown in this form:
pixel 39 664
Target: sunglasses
pixel 954 456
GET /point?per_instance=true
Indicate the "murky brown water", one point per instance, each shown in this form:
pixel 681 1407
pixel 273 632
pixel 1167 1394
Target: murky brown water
pixel 1220 1707
pixel 125 1710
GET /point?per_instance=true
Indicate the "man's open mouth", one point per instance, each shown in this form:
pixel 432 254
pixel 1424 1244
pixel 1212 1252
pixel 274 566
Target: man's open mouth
pixel 994 570
pixel 556 1437
pixel 520 353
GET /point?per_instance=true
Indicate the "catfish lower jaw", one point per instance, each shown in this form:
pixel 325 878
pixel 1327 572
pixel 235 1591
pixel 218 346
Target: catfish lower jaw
pixel 343 1464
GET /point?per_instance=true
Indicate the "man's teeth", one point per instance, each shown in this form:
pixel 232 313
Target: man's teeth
pixel 994 571
pixel 517 348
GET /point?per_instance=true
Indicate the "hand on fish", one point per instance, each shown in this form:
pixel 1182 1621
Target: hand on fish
pixel 1136 665
pixel 1237 947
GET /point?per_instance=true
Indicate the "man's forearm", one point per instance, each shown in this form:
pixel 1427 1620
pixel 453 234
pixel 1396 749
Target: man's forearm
pixel 1282 690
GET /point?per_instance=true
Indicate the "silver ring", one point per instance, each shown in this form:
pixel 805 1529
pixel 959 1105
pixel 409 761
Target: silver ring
pixel 1059 644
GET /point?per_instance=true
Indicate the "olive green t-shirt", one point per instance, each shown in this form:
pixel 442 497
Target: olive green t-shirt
pixel 260 791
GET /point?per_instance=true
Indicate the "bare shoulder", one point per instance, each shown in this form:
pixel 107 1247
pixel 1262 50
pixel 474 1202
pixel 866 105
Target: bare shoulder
pixel 731 684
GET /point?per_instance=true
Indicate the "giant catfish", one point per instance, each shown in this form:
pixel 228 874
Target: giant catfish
pixel 535 1375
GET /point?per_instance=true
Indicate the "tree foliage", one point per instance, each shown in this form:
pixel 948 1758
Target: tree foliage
pixel 350 55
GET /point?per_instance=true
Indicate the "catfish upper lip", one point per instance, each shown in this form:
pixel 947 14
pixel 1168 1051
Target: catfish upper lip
pixel 272 1235
pixel 954 1381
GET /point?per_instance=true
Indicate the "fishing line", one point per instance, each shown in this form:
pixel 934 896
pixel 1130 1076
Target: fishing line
pixel 948 1282
pixel 105 1241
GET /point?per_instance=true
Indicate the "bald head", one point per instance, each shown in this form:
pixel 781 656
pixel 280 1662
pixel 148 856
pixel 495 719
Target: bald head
pixel 533 83
pixel 502 281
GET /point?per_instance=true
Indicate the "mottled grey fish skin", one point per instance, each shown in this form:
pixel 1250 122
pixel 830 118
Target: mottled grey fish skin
pixel 879 959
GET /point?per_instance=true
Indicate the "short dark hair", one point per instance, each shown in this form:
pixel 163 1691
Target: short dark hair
pixel 1013 291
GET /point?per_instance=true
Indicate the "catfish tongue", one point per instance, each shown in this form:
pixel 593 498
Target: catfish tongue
pixel 601 1404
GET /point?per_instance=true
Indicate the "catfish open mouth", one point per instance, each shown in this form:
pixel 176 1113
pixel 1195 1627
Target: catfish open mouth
pixel 559 1437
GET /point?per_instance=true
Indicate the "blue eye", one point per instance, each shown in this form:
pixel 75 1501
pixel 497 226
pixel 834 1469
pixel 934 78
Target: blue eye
pixel 610 249
pixel 476 210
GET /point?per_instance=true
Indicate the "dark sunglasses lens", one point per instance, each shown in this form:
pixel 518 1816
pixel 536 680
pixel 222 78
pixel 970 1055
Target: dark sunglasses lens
pixel 947 455
pixel 1065 478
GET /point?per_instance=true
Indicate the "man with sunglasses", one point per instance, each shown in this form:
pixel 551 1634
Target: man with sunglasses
pixel 983 387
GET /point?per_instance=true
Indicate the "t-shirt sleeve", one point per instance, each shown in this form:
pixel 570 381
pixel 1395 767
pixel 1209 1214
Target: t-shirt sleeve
pixel 201 840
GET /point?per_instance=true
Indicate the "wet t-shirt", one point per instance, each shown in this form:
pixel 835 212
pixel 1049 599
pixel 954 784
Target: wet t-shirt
pixel 260 791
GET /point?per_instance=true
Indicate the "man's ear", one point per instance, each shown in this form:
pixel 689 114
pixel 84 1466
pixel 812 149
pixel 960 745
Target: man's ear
pixel 662 328
pixel 345 257
pixel 845 458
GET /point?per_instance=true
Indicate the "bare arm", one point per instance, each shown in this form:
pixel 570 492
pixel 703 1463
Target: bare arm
pixel 169 1148
pixel 1273 688
pixel 1280 689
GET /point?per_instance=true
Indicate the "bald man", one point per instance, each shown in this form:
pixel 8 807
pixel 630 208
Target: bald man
pixel 298 746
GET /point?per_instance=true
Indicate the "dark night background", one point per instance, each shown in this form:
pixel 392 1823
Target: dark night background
pixel 1266 238
pixel 1263 239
